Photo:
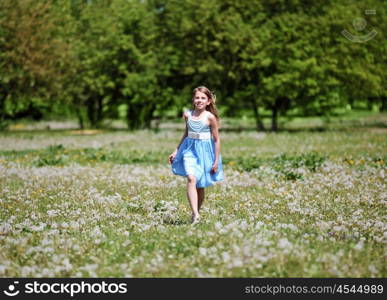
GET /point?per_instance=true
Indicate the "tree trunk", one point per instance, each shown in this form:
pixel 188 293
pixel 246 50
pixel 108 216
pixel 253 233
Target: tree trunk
pixel 383 105
pixel 80 119
pixel 130 117
pixel 149 116
pixel 91 112
pixel 99 117
pixel 370 103
pixel 2 107
pixel 258 121
pixel 94 111
pixel 274 116
pixel 3 123
pixel 134 116
pixel 281 104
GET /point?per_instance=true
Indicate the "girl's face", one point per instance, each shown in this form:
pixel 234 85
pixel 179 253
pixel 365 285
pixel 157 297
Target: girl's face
pixel 201 100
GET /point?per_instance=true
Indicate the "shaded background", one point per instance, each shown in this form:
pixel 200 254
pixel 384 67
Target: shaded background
pixel 138 61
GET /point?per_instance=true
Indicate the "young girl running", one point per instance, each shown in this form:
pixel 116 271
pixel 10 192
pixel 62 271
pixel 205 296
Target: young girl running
pixel 198 154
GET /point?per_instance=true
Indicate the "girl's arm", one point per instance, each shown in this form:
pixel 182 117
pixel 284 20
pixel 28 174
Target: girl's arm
pixel 215 134
pixel 183 137
pixel 172 156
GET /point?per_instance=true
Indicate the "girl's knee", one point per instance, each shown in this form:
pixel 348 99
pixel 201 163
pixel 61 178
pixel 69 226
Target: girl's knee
pixel 191 179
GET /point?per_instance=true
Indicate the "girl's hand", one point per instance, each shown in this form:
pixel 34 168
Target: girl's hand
pixel 214 168
pixel 172 157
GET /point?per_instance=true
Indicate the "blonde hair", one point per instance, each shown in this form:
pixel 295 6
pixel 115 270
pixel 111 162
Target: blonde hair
pixel 211 95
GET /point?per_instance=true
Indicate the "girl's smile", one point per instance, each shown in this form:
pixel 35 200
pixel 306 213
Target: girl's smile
pixel 200 100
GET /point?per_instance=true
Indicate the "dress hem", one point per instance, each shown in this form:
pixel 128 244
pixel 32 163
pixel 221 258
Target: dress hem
pixel 211 184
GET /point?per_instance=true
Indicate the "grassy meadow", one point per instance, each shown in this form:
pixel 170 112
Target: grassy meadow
pixel 306 202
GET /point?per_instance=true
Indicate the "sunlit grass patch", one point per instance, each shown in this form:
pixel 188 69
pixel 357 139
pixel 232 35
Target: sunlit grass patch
pixel 291 205
pixel 58 155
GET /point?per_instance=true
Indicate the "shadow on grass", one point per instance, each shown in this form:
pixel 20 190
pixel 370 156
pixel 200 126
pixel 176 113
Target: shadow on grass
pixel 176 222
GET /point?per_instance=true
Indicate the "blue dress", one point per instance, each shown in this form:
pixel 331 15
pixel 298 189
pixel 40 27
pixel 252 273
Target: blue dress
pixel 196 156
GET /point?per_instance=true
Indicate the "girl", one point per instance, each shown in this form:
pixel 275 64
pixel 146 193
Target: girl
pixel 198 154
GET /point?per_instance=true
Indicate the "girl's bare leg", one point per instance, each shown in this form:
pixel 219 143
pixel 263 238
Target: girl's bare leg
pixel 200 192
pixel 192 195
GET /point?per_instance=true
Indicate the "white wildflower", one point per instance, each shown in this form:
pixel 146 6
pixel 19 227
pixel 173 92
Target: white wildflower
pixel 218 226
pixel 39 227
pixel 238 262
pixel 5 228
pixel 284 243
pixel 372 269
pixel 359 246
pixel 226 257
pixel 52 213
pixel 202 251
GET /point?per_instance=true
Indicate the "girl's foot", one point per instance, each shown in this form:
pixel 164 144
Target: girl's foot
pixel 195 219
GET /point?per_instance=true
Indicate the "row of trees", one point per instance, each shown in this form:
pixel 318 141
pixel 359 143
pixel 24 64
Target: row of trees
pixel 94 58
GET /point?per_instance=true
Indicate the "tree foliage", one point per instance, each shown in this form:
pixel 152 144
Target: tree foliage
pixel 141 59
pixel 35 56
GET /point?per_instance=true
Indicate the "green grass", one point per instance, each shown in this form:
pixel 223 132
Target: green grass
pixel 297 203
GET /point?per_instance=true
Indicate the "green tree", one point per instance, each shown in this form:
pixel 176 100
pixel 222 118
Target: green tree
pixel 117 62
pixel 360 66
pixel 34 57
